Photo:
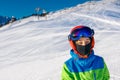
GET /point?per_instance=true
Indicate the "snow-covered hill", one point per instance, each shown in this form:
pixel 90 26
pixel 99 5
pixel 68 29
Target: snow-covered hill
pixel 36 48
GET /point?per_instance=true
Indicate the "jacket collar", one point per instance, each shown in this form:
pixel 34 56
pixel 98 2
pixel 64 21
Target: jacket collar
pixel 75 56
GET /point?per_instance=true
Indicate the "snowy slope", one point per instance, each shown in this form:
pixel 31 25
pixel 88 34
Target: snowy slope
pixel 33 49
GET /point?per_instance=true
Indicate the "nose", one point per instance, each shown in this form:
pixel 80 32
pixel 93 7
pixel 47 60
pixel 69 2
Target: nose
pixel 83 43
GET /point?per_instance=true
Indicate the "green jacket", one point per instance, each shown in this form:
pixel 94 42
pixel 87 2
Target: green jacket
pixel 91 68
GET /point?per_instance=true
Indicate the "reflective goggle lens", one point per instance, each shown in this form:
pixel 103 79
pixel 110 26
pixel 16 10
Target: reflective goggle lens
pixel 83 32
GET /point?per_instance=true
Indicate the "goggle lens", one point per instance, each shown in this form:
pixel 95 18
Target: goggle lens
pixel 83 32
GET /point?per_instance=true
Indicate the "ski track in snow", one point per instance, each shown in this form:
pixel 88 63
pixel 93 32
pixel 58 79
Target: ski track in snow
pixel 99 19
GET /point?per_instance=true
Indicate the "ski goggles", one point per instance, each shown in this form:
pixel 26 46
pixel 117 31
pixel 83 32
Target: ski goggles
pixel 81 32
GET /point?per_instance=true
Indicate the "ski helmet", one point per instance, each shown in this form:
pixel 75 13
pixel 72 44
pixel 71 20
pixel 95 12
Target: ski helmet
pixel 78 32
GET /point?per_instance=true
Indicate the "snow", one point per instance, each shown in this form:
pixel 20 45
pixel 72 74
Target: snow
pixel 33 49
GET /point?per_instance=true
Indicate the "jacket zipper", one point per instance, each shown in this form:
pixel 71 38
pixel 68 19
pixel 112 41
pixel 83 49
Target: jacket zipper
pixel 94 76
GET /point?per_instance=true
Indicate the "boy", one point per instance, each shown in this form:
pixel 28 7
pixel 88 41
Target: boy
pixel 84 64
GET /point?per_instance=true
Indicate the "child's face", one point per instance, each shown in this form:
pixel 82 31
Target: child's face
pixel 83 41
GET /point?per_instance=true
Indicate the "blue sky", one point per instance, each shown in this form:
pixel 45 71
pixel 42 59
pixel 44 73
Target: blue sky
pixel 20 8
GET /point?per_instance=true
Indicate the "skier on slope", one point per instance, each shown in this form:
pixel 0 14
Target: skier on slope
pixel 84 64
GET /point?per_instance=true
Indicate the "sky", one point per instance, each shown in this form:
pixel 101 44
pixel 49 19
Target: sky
pixel 20 8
